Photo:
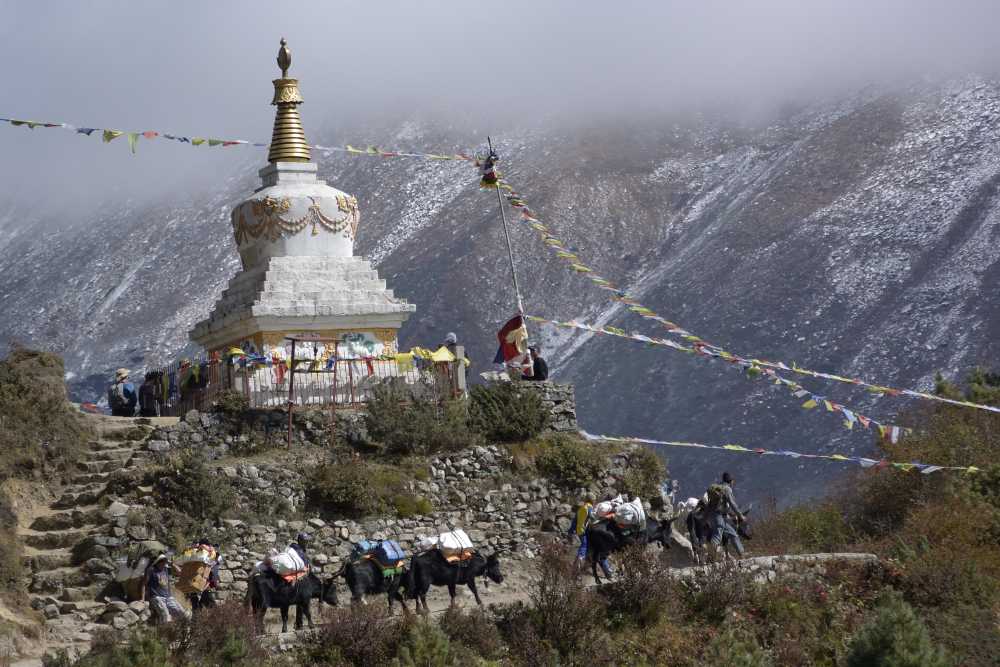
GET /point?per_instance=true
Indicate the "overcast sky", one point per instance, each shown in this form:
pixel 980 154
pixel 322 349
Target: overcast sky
pixel 203 69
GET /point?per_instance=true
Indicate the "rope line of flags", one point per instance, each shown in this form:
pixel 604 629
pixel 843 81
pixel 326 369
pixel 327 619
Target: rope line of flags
pixel 923 468
pixel 893 433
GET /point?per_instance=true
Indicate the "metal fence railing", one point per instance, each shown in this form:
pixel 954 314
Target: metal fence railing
pixel 346 382
pixel 175 390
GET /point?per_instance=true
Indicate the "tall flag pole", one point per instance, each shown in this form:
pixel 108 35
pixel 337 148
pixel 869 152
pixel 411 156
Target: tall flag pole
pixel 491 179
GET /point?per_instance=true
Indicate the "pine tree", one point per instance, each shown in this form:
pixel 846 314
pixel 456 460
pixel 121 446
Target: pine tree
pixel 897 638
pixel 428 647
pixel 729 651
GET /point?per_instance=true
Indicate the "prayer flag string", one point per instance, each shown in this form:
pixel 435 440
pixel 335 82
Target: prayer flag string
pixel 889 431
pixel 865 462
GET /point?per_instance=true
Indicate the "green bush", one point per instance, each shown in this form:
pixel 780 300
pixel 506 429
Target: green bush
pixel 727 650
pixel 473 630
pixel 819 528
pixel 424 506
pixel 507 411
pixel 405 425
pixel 896 639
pixel 232 401
pixel 642 478
pixel 349 487
pixel 38 427
pixel 572 461
pixel 428 647
pixel 405 505
pixel 195 490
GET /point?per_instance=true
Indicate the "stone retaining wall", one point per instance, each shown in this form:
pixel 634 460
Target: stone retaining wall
pixel 558 397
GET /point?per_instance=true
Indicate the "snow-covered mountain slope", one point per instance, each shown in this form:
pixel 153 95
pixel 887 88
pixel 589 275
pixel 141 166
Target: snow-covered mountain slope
pixel 857 238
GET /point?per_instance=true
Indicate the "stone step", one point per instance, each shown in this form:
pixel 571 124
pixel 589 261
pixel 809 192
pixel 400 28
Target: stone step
pixel 76 518
pixel 109 455
pixel 56 580
pixel 71 499
pixel 101 445
pixel 100 466
pixel 81 488
pixel 88 478
pixel 138 458
pixel 47 561
pixel 53 539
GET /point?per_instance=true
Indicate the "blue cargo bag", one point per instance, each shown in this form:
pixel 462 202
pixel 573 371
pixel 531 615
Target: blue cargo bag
pixel 389 553
pixel 362 549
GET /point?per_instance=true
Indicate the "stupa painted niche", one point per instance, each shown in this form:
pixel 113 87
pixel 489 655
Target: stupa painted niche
pixel 296 242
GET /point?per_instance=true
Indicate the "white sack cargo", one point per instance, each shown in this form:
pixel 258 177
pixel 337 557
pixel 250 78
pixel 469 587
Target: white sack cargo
pixel 631 514
pixel 429 542
pixel 604 509
pixel 287 562
pixel 454 543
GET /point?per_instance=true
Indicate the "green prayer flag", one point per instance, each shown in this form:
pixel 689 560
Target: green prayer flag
pixel 132 136
pixel 214 142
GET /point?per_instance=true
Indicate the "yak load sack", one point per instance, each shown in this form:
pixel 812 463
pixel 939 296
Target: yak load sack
pixel 389 556
pixel 455 546
pixel 631 516
pixel 430 542
pixel 603 509
pixel 285 563
pixel 197 553
pixel 362 549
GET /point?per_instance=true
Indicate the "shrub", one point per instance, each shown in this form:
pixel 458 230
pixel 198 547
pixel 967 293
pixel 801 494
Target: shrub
pixel 561 610
pixel 897 639
pixel 724 585
pixel 424 506
pixel 428 647
pixel 507 411
pixel 473 630
pixel 819 527
pixel 405 425
pixel 195 490
pixel 37 424
pixel 229 630
pixel 405 505
pixel 727 650
pixel 348 486
pixel 358 636
pixel 570 460
pixel 643 589
pixel 642 478
pixel 232 401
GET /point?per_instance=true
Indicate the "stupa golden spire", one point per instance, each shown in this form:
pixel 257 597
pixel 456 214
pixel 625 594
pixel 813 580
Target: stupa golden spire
pixel 288 142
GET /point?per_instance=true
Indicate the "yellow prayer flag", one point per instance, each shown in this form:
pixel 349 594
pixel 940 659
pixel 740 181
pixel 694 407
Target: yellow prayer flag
pixel 109 135
pixel 971 470
pixel 197 142
pixel 404 362
pixel 442 354
pixel 810 404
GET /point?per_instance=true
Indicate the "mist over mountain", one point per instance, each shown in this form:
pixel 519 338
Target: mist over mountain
pixel 856 237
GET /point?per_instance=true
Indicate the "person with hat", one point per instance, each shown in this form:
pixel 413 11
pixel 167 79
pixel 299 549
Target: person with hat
pixel 540 372
pixel 156 582
pixel 207 597
pixel 300 545
pixel 122 398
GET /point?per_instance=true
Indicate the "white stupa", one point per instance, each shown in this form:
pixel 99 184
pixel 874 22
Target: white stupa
pixel 296 241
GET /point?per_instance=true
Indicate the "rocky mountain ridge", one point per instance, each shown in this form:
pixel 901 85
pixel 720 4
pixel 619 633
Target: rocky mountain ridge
pixel 856 237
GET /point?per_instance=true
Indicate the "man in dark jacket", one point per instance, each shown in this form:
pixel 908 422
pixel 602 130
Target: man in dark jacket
pixel 717 516
pixel 300 545
pixel 540 371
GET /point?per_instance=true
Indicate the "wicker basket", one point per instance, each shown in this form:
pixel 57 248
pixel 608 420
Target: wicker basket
pixel 194 577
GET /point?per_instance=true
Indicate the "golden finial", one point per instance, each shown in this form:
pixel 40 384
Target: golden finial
pixel 288 141
pixel 284 59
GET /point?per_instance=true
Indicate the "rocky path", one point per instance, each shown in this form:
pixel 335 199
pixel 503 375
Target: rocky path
pixel 65 535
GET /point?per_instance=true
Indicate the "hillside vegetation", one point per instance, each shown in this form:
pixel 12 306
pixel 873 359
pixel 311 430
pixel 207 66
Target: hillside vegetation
pixel 929 596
